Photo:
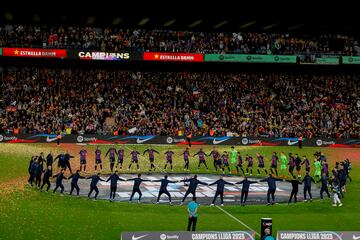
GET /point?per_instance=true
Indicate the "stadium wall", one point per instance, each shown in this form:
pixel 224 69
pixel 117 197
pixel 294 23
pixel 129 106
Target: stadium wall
pixel 178 140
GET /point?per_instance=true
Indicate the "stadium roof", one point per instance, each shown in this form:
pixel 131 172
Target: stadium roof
pixel 243 16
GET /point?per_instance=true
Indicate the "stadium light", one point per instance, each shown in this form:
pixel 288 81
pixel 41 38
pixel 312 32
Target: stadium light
pixel 220 24
pixel 270 26
pixel 247 24
pixel 197 22
pixel 143 21
pixel 117 21
pixel 169 23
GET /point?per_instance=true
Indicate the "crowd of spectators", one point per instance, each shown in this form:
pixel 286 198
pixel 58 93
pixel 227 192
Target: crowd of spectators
pixel 44 100
pixel 113 39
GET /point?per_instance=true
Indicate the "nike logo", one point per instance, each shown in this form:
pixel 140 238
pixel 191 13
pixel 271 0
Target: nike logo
pixel 49 139
pixel 139 237
pixel 356 237
pixel 138 140
pixel 217 142
pixel 292 142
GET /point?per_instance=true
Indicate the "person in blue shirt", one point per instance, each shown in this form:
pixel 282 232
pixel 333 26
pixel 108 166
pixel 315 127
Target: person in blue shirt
pixel 192 211
pixel 267 235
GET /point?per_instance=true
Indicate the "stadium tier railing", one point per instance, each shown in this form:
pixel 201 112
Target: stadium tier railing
pixel 177 140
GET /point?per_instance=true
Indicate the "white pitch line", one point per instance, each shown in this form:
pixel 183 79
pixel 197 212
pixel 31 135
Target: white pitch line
pixel 238 220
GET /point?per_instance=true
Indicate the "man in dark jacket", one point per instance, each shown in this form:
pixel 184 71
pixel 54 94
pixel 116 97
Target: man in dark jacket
pixel 38 173
pixel 324 186
pixel 67 157
pixel 46 178
pixel 31 170
pixel 193 183
pixel 307 185
pixel 136 188
pixel 59 177
pixel 220 184
pixel 94 180
pixel 245 189
pixel 49 160
pixel 271 181
pixel 295 188
pixel 163 188
pixel 114 178
pixel 61 160
pixel 74 182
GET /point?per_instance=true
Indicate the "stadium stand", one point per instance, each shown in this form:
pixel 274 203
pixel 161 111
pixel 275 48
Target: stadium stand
pixel 140 40
pixel 44 100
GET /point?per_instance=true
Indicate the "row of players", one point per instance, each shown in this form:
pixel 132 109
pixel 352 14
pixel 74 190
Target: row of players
pixel 337 182
pixel 220 162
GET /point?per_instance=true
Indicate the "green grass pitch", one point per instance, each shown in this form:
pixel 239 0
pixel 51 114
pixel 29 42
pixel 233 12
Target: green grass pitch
pixel 26 213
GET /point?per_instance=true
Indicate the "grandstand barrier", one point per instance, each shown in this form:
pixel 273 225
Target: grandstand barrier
pixel 199 235
pixel 317 235
pixel 107 56
pixel 250 58
pixel 177 140
pixel 77 54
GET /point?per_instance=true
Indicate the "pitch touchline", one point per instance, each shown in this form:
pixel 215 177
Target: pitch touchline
pixel 239 221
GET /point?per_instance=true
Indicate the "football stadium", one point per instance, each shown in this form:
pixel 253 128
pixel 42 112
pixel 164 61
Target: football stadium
pixel 191 125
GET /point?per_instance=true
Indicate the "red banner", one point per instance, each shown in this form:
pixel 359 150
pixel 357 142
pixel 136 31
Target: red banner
pixel 34 52
pixel 173 57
